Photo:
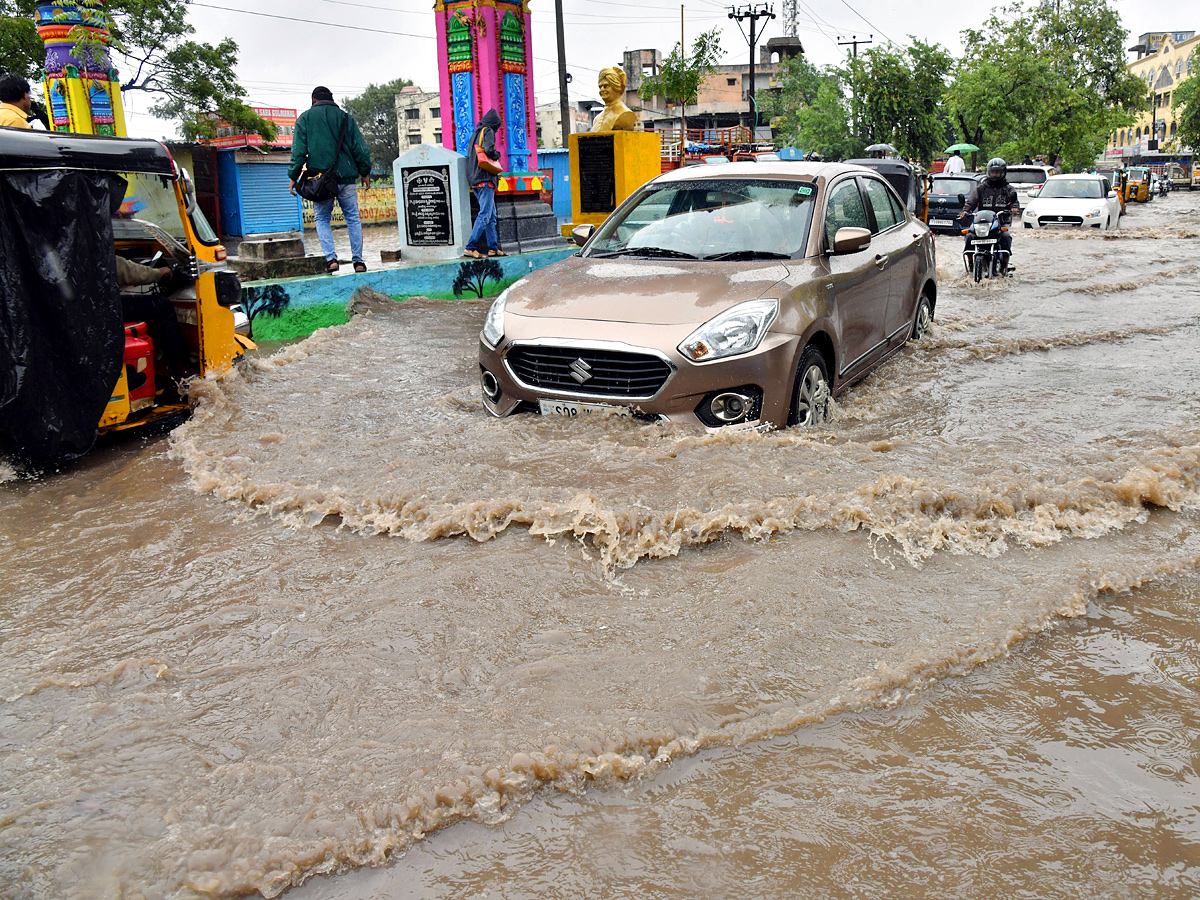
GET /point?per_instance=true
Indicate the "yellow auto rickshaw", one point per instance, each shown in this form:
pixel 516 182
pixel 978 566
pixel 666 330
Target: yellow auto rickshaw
pixel 1137 186
pixel 74 362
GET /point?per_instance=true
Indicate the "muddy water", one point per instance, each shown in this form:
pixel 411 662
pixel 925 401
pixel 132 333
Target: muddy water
pixel 946 644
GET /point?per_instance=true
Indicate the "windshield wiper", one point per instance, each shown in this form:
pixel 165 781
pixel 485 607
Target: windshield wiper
pixel 647 251
pixel 750 254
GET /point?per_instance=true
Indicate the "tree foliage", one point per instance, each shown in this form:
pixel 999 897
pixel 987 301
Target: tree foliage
pixel 900 97
pixel 375 111
pixel 1050 79
pixel 681 74
pixel 812 110
pixel 152 49
pixel 1186 102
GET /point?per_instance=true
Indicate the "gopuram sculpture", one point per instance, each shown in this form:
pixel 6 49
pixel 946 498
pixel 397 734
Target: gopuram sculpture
pixel 83 93
pixel 616 115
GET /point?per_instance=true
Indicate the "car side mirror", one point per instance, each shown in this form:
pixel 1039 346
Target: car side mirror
pixel 1112 195
pixel 962 198
pixel 580 234
pixel 851 240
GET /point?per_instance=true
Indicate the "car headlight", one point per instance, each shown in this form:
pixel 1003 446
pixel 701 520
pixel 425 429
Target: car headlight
pixel 493 325
pixel 737 330
pixel 1029 213
pixel 1095 212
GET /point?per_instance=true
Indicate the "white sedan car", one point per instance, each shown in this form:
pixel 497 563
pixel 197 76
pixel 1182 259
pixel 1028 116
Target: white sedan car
pixel 1077 201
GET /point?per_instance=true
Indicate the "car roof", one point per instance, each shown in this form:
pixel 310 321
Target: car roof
pixel 1038 166
pixel 1062 175
pixel 884 166
pixel 975 175
pixel 762 169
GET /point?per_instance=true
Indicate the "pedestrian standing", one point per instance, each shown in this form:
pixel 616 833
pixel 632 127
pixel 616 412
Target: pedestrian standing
pixel 15 101
pixel 484 184
pixel 315 147
pixel 954 164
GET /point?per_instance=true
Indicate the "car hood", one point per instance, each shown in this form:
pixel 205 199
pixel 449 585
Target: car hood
pixel 1066 206
pixel 641 291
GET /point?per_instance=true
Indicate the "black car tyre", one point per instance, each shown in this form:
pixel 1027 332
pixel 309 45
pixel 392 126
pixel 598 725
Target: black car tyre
pixel 810 393
pixel 923 319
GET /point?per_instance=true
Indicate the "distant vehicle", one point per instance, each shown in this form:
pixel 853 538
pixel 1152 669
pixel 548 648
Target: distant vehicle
pixel 1025 178
pixel 757 156
pixel 1080 201
pixel 983 257
pixel 716 160
pixel 743 296
pixel 947 196
pixel 1177 175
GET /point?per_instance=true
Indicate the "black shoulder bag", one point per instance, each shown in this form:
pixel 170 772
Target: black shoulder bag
pixel 318 186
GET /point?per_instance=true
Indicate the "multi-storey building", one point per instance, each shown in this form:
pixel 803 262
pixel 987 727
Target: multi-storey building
pixel 418 117
pixel 1164 60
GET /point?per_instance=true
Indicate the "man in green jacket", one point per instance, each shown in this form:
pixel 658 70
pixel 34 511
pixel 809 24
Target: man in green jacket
pixel 314 143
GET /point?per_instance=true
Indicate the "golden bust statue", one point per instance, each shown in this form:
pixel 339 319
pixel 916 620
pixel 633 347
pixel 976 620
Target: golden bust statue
pixel 616 116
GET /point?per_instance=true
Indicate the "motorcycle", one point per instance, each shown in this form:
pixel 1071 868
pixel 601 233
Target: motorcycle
pixel 984 257
pixel 1164 186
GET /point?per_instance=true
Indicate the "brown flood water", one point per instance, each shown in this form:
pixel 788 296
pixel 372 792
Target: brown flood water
pixel 343 625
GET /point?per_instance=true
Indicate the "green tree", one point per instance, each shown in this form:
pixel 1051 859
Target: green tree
pixel 152 49
pixel 1186 102
pixel 681 75
pixel 1051 79
pixel 375 111
pixel 812 110
pixel 21 50
pixel 900 95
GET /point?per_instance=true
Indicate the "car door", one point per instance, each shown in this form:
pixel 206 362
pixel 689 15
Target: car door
pixel 856 281
pixel 895 247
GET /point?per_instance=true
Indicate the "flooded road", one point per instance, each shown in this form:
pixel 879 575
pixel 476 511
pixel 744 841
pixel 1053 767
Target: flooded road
pixel 946 644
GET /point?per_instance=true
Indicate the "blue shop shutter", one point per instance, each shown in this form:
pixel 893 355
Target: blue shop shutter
pixel 267 204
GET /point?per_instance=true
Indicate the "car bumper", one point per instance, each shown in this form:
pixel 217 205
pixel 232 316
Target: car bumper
pixel 770 369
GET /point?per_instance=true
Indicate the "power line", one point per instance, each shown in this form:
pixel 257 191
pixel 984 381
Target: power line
pixel 250 12
pixel 868 21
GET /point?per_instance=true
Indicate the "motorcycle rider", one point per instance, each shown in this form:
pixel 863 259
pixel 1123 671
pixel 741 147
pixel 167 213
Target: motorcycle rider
pixel 997 195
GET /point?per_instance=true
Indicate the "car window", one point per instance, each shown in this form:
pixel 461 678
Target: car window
pixel 877 195
pixel 844 210
pixel 1026 176
pixel 897 208
pixel 1072 188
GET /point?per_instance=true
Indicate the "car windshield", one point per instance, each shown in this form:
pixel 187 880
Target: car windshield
pixel 151 199
pixel 1026 176
pixel 1072 189
pixel 952 187
pixel 1137 174
pixel 713 218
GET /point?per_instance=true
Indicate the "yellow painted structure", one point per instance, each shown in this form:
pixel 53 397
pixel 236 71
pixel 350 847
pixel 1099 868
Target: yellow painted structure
pixel 637 157
pixel 1171 63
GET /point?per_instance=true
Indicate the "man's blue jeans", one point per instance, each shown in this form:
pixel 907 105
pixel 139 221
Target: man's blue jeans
pixel 485 222
pixel 347 199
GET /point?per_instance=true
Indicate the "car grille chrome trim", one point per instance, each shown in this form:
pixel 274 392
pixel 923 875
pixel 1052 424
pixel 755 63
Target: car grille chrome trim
pixel 614 370
pixel 1046 221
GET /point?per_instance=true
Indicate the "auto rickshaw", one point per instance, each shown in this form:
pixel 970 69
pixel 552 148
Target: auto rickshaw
pixel 908 180
pixel 72 363
pixel 1137 186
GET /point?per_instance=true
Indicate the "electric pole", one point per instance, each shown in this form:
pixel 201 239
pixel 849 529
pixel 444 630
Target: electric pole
pixel 753 13
pixel 854 42
pixel 564 105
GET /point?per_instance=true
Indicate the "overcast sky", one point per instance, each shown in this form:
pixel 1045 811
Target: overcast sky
pixel 288 46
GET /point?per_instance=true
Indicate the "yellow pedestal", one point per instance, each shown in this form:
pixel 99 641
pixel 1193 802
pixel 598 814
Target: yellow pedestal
pixel 608 166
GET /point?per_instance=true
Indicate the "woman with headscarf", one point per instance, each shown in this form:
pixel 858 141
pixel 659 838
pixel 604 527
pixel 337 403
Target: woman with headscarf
pixel 484 185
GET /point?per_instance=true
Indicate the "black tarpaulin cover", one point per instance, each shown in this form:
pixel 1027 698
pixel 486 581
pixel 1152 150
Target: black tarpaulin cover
pixel 61 340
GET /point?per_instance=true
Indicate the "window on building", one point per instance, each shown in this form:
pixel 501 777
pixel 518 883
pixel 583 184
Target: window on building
pixel 437 137
pixel 1178 67
pixel 731 81
pixel 1137 134
pixel 1172 131
pixel 413 113
pixel 435 112
pixel 414 139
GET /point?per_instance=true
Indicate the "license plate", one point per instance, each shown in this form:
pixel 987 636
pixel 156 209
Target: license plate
pixel 569 410
pixel 944 222
pixel 983 243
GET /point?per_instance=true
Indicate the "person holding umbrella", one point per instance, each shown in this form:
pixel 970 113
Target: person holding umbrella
pixel 955 164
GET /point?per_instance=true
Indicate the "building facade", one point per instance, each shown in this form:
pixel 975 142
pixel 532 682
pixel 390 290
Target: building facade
pixel 418 117
pixel 1164 61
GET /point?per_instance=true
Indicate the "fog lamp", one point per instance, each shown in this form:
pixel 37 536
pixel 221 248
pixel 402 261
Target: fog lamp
pixel 729 407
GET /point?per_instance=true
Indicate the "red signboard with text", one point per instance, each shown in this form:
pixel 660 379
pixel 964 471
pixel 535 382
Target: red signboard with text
pixel 229 137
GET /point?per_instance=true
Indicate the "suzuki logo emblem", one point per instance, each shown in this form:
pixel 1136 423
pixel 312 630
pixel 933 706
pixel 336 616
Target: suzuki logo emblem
pixel 581 371
pixel 1060 218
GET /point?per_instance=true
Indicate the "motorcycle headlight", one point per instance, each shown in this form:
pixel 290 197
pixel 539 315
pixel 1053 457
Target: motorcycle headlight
pixel 493 325
pixel 982 229
pixel 735 331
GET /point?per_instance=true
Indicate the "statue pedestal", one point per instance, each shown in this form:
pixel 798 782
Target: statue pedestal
pixel 433 206
pixel 606 167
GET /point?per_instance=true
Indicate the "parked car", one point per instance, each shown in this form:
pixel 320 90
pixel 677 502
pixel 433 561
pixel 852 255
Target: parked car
pixel 947 196
pixel 743 295
pixel 1025 178
pixel 1082 201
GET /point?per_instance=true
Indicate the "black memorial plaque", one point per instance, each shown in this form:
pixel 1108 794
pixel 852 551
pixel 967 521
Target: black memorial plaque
pixel 597 174
pixel 428 220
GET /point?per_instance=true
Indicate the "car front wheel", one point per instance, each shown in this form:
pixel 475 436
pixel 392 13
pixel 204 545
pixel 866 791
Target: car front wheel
pixel 923 319
pixel 811 393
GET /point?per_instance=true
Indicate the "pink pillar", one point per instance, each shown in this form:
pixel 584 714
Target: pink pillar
pixel 444 90
pixel 530 103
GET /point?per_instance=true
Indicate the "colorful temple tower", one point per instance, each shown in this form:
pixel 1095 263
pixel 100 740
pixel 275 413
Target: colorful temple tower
pixel 485 60
pixel 83 93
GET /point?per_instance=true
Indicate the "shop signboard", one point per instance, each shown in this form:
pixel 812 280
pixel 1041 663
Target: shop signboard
pixel 230 137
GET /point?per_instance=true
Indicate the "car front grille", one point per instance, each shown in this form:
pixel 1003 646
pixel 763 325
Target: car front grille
pixel 594 372
pixel 1048 221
